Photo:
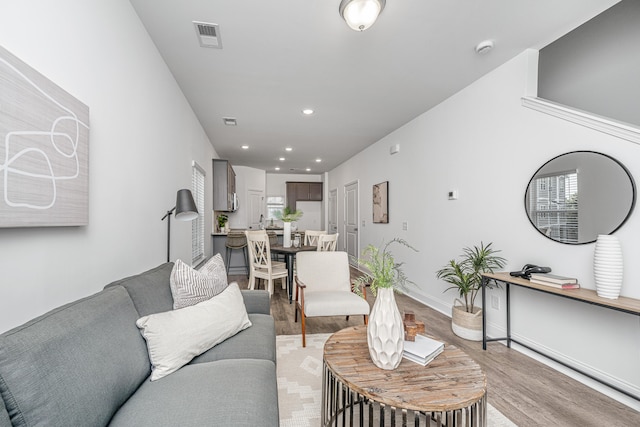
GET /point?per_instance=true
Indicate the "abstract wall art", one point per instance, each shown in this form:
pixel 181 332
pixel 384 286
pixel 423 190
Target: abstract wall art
pixel 44 150
pixel 381 203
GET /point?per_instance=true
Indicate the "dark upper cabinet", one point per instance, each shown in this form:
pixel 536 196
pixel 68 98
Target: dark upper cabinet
pixel 224 186
pixel 303 192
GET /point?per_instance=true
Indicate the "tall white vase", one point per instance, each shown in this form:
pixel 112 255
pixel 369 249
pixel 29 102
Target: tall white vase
pixel 608 266
pixel 385 333
pixel 286 237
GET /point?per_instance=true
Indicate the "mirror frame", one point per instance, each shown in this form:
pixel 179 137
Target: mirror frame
pixel 623 167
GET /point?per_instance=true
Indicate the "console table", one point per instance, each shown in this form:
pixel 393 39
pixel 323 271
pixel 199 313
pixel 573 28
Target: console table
pixel 623 304
pixel 450 390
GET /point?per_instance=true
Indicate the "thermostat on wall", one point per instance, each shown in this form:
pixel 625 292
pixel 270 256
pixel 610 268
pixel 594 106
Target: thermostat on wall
pixel 453 195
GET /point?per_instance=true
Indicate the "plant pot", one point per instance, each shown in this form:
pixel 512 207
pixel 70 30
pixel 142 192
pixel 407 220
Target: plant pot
pixel 385 332
pixel 466 325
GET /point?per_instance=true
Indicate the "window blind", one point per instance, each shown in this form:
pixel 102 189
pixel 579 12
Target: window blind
pixel 553 205
pixel 197 225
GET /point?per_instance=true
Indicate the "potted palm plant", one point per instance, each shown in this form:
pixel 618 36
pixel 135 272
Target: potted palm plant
pixel 287 216
pixel 465 276
pixel 385 334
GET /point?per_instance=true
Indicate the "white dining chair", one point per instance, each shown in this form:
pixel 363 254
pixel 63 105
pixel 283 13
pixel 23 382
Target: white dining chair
pixel 261 265
pixel 311 237
pixel 327 242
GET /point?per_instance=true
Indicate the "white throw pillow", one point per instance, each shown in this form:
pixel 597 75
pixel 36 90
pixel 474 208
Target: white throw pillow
pixel 189 287
pixel 175 337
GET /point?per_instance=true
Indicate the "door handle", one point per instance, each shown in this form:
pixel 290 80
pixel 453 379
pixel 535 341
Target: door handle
pixel 355 229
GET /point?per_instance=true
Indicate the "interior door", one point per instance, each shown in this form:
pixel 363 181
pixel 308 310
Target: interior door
pixel 255 203
pixel 333 211
pixel 351 239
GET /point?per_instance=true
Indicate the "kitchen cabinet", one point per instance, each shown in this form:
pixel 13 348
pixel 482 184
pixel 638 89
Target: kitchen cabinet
pixel 224 186
pixel 303 192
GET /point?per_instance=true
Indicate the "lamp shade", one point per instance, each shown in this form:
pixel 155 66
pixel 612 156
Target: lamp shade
pixel 361 14
pixel 186 209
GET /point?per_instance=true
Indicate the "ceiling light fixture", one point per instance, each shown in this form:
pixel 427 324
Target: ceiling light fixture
pixel 281 159
pixel 307 111
pixel 318 160
pixel 361 14
pixel 288 149
pixel 277 168
pixel 245 147
pixel 308 169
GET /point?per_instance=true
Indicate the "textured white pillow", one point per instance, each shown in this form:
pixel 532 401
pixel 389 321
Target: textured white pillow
pixel 189 287
pixel 175 337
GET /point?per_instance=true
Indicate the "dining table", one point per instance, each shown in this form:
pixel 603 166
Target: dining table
pixel 289 259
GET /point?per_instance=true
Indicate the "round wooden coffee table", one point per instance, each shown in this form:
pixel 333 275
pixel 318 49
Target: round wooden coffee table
pixel 450 390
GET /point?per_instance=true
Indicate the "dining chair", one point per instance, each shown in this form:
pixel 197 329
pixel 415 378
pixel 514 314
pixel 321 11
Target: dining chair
pixel 311 237
pixel 261 265
pixel 323 288
pixel 327 242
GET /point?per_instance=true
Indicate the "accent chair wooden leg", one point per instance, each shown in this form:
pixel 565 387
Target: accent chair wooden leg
pixel 304 341
pixel 366 319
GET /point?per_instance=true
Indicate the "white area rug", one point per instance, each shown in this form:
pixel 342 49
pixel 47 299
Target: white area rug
pixel 300 383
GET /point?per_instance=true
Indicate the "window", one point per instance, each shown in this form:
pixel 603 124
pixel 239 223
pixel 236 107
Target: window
pixel 197 225
pixel 274 204
pixel 553 205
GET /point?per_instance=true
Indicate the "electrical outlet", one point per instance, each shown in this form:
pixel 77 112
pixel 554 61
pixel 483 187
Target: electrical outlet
pixel 495 302
pixel 405 226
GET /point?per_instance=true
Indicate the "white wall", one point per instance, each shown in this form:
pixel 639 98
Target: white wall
pixel 143 139
pixel 483 143
pixel 246 179
pixel 312 218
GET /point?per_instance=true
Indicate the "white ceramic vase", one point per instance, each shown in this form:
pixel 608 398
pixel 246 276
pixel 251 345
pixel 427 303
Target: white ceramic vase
pixel 385 333
pixel 608 266
pixel 286 237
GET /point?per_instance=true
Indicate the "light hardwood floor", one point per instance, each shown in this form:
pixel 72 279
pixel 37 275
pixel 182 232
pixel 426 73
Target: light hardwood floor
pixel 526 391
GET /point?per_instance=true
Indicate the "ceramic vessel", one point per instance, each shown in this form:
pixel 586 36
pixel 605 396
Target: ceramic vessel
pixel 385 333
pixel 286 237
pixel 608 266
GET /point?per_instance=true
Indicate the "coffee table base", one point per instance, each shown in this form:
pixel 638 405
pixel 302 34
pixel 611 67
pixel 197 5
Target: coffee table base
pixel 342 406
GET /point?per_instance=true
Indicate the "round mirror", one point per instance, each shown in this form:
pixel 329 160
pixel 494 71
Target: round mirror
pixel 576 196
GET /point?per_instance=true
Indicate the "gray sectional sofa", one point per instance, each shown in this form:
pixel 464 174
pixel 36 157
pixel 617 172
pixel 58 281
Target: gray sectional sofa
pixel 86 364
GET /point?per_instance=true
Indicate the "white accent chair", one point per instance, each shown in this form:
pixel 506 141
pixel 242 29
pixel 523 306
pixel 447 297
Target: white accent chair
pixel 327 242
pixel 261 265
pixel 323 288
pixel 311 237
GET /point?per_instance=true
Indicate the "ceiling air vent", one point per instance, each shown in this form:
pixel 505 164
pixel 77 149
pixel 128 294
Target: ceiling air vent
pixel 208 34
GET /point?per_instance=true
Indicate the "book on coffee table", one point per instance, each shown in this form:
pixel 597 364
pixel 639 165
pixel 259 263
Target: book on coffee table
pixel 553 278
pixel 423 350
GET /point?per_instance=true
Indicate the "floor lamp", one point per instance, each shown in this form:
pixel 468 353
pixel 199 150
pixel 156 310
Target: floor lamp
pixel 185 210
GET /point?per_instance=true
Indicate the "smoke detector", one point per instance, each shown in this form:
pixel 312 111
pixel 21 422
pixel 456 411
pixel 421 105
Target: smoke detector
pixel 208 34
pixel 484 47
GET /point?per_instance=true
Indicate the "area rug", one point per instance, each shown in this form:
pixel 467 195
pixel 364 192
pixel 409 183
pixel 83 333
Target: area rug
pixel 300 383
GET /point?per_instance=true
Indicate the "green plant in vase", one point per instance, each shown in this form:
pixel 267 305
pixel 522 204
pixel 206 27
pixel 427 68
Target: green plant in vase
pixel 287 216
pixel 222 221
pixel 385 334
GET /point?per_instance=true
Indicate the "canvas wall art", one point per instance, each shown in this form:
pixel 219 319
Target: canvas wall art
pixel 44 150
pixel 381 203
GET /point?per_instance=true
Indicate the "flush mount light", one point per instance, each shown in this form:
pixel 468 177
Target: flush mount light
pixel 318 160
pixel 484 47
pixel 361 14
pixel 281 159
pixel 277 168
pixel 230 121
pixel 308 169
pixel 307 111
pixel 288 149
pixel 245 147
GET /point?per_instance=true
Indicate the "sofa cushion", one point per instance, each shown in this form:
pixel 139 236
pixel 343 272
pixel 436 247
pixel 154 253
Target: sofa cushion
pixel 150 290
pixel 256 342
pixel 175 337
pixel 4 416
pixel 190 287
pixel 78 363
pixel 224 393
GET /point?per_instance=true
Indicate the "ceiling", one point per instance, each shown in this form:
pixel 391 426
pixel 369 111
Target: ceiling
pixel 279 57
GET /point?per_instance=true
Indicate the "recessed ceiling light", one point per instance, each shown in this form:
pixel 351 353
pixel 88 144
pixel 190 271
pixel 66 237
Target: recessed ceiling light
pixel 308 169
pixel 318 160
pixel 281 159
pixel 245 147
pixel 277 168
pixel 288 149
pixel 230 121
pixel 307 111
pixel 484 47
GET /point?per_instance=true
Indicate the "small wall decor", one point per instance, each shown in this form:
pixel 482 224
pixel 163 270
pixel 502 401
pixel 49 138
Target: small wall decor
pixel 381 203
pixel 44 150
